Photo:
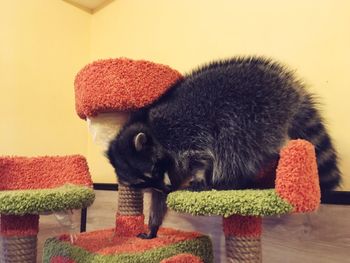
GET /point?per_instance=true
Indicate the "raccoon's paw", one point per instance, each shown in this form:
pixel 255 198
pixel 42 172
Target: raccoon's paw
pixel 197 186
pixel 146 236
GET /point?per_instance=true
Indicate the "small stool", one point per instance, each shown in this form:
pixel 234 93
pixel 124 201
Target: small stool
pixel 31 186
pixel 296 191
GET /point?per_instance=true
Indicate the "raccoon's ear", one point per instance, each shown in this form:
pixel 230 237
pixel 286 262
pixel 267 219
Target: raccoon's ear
pixel 140 141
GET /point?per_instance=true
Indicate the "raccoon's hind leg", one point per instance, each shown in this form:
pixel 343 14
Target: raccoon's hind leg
pixel 236 168
pixel 200 181
pixel 201 170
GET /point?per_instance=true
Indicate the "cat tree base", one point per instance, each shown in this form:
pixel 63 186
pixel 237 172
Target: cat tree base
pixel 105 246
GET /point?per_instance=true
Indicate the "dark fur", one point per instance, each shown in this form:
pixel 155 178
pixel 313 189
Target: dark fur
pixel 225 120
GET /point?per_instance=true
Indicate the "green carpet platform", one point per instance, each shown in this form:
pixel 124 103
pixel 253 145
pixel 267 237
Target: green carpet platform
pixel 32 186
pixel 296 191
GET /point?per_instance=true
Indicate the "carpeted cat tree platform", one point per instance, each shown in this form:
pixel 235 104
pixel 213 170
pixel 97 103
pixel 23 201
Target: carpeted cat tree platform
pixel 123 85
pixel 30 186
pixel 296 191
pixel 106 91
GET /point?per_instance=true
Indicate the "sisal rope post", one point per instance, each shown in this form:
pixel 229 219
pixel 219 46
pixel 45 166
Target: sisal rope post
pixel 243 249
pixel 18 238
pixel 243 239
pixel 130 218
pixel 130 201
pixel 18 249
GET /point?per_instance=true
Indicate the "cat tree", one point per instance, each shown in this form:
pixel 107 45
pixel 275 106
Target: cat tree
pixel 296 190
pixel 108 90
pixel 105 92
pixel 30 186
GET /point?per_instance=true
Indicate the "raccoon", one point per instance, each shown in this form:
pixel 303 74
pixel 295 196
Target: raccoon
pixel 217 128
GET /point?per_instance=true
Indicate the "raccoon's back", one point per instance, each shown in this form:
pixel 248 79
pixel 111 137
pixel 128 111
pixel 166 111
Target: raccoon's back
pixel 255 101
pixel 251 99
pixel 308 124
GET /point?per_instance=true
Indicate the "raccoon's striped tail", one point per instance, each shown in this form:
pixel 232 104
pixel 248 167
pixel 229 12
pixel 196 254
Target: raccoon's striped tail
pixel 307 124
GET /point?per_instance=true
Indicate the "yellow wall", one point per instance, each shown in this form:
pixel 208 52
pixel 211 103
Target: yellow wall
pixel 310 36
pixel 42 46
pixel 44 43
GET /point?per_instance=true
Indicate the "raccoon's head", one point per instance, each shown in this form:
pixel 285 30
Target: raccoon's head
pixel 137 159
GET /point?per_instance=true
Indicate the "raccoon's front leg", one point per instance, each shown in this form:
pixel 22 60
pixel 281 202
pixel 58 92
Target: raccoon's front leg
pixel 157 212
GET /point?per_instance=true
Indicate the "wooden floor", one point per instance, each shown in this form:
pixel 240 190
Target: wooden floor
pixel 322 237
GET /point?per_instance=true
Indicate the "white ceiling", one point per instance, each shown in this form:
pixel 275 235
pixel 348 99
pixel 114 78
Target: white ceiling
pixel 89 5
